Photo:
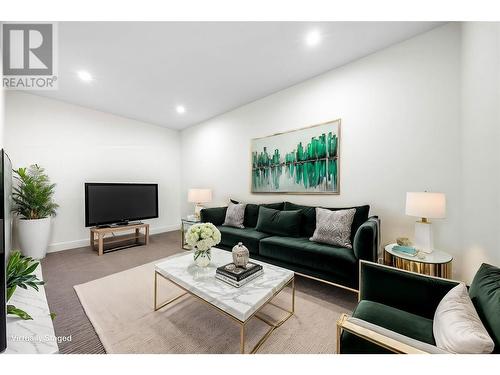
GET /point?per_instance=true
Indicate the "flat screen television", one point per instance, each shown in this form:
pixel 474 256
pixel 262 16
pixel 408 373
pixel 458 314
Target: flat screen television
pixel 119 203
pixel 5 239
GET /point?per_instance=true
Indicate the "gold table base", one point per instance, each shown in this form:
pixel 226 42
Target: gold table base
pixel 272 325
pixel 432 269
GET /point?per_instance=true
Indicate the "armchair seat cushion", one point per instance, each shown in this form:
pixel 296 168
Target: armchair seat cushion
pixel 249 236
pixel 399 321
pixel 405 323
pixel 301 251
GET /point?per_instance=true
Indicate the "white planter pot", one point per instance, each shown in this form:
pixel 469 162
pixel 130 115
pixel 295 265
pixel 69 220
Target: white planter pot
pixel 34 237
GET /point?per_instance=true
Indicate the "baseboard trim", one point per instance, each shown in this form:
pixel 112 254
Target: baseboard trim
pixel 68 245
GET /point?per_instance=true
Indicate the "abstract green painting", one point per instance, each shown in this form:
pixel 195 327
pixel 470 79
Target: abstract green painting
pixel 303 161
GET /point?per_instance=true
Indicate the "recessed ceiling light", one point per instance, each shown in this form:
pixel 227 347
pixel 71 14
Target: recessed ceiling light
pixel 85 76
pixel 180 109
pixel 313 38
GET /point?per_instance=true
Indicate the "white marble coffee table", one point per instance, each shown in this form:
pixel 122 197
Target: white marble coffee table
pixel 239 304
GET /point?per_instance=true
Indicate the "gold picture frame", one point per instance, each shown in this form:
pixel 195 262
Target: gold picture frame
pixel 311 167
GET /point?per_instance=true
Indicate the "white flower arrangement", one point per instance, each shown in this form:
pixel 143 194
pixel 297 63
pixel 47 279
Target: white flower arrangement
pixel 202 237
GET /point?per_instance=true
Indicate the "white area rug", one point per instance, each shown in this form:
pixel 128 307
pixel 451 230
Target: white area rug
pixel 120 307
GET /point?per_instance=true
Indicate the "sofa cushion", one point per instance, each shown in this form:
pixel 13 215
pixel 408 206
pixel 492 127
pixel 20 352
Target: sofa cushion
pixel 235 215
pixel 249 236
pixel 252 212
pixel 301 251
pixel 333 227
pixel 457 327
pixel 308 217
pixel 405 323
pixel 280 223
pixel 485 295
pixel 214 215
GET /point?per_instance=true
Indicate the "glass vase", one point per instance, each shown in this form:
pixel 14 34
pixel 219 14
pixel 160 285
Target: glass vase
pixel 202 257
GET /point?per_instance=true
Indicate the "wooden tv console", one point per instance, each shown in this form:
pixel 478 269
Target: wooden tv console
pixel 98 239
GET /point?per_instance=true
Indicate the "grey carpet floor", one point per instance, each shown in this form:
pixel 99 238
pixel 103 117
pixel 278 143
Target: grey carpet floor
pixel 64 269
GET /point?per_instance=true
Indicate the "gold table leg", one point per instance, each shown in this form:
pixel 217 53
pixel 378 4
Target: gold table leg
pixel 273 325
pixel 242 338
pixel 156 307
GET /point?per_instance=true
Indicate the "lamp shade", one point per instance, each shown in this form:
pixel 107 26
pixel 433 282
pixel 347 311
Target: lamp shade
pixel 426 205
pixel 199 195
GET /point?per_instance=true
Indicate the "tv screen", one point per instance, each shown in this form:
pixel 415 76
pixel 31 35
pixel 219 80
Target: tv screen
pixel 109 203
pixel 5 239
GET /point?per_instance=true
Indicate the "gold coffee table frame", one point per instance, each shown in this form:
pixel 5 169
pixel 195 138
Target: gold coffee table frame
pixel 272 325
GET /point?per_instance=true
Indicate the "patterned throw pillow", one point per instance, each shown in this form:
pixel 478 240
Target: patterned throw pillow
pixel 333 227
pixel 235 215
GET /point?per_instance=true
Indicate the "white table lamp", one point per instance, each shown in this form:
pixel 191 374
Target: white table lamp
pixel 198 197
pixel 426 206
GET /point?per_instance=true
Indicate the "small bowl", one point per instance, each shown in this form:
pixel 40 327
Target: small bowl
pixel 403 241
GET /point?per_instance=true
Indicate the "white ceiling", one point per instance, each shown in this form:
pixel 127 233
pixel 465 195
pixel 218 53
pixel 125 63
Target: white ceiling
pixel 143 70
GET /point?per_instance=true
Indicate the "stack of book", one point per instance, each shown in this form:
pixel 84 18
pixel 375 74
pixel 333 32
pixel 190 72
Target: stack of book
pixel 407 250
pixel 238 276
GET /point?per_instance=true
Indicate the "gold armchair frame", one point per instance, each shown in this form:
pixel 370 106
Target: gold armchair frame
pixel 395 346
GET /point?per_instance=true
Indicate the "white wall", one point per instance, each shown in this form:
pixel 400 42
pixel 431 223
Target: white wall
pixel 480 145
pixel 419 115
pixel 400 111
pixel 78 145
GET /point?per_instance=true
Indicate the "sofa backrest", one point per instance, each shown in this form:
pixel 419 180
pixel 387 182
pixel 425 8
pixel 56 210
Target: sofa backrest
pixel 485 295
pixel 308 217
pixel 217 215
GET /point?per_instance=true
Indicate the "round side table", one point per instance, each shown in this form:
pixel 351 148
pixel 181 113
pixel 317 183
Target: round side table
pixel 437 263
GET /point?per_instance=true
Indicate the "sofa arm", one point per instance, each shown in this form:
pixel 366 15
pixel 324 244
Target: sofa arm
pixel 383 337
pixel 366 240
pixel 215 215
pixel 404 290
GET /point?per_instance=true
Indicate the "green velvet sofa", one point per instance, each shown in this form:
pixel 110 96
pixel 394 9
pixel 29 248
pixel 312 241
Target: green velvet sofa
pixel 396 310
pixel 335 265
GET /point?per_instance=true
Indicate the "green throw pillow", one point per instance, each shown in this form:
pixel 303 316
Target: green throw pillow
pixel 485 295
pixel 281 223
pixel 252 212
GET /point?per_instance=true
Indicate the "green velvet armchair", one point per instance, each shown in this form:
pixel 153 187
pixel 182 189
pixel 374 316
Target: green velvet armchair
pixel 396 310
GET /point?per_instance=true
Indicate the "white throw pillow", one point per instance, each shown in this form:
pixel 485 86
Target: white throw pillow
pixel 457 327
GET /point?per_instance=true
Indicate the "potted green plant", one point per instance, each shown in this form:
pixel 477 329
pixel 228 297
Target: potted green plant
pixel 34 205
pixel 20 274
